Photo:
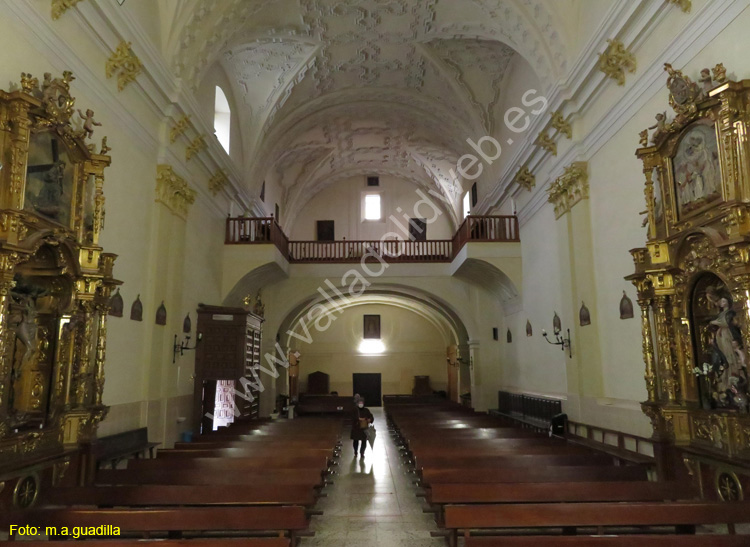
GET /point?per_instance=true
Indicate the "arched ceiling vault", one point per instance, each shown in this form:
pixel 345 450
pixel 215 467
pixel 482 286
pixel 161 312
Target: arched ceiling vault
pixel 326 87
pixel 448 324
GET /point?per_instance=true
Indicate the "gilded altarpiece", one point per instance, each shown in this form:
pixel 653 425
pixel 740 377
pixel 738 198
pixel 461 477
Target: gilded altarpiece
pixel 693 280
pixel 55 285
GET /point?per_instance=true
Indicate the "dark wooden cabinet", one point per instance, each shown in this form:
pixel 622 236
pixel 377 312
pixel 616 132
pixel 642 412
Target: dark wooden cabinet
pixel 229 350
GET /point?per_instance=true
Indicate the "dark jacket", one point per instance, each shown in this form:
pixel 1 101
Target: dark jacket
pixel 358 434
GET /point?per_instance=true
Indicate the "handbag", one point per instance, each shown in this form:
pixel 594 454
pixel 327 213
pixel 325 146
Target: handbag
pixel 363 423
pixel 370 434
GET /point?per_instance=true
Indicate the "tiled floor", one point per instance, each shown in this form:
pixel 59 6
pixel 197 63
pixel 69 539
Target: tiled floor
pixel 372 501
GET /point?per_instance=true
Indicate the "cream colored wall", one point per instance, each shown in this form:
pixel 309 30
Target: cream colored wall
pixel 160 256
pixel 342 203
pixel 413 347
pixel 584 255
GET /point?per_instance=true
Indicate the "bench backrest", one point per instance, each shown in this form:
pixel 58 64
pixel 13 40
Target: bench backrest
pixel 244 463
pixel 120 443
pixel 561 492
pixel 173 494
pixel 247 452
pixel 525 474
pixel 636 540
pixel 521 460
pixel 169 519
pixel 280 477
pixel 533 515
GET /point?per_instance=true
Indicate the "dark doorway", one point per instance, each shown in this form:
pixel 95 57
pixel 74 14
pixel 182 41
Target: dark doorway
pixel 325 230
pixel 368 385
pixel 418 229
pixel 208 406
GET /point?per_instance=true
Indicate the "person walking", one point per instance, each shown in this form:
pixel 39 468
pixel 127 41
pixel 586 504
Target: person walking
pixel 361 420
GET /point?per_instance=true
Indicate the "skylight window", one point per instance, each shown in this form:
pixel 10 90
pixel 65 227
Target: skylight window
pixel 222 118
pixel 373 210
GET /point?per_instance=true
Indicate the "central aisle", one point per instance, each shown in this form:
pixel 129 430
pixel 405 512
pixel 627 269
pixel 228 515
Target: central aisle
pixel 372 501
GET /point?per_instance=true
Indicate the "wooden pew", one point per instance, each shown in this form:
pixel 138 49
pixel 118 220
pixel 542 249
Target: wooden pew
pixel 245 452
pixel 177 495
pixel 530 492
pixel 568 473
pixel 279 477
pixel 521 460
pixel 683 515
pixel 662 540
pixel 123 445
pixel 222 542
pixel 212 465
pixel 282 520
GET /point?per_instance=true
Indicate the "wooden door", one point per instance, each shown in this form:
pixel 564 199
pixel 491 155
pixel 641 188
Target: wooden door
pixel 369 386
pixel 208 406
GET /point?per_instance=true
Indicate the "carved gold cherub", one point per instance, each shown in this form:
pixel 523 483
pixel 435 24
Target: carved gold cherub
pixel 89 122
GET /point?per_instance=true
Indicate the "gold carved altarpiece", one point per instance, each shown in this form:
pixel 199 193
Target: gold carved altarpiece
pixel 693 277
pixel 55 284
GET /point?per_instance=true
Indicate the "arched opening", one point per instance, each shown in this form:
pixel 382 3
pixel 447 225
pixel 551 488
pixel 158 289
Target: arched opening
pixel 222 118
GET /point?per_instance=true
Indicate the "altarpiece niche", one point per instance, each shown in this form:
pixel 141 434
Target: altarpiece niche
pixel 693 276
pixel 55 285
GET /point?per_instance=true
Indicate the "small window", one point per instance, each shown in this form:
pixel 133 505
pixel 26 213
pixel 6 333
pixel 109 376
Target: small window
pixel 263 191
pixel 418 229
pixel 278 214
pixel 467 204
pixel 474 195
pixel 372 207
pixel 371 327
pixel 325 230
pixel 373 181
pixel 222 118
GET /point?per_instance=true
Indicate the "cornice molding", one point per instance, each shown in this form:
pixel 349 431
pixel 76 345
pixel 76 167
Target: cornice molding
pixel 107 25
pixel 569 188
pixel 704 26
pixel 172 191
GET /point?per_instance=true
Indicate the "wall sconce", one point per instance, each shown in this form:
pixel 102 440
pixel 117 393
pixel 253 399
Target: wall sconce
pixel 184 346
pixel 560 341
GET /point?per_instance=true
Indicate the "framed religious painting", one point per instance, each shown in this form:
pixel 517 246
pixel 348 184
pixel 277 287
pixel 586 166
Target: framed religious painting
pixel 696 170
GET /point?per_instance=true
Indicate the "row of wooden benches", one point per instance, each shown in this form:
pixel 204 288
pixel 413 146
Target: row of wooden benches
pixel 248 480
pixel 482 476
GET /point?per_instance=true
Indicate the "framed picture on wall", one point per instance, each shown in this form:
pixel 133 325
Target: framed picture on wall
pixel 372 326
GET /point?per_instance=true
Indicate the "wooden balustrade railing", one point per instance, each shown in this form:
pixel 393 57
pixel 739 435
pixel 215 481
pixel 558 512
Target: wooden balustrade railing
pixel 245 231
pixel 435 250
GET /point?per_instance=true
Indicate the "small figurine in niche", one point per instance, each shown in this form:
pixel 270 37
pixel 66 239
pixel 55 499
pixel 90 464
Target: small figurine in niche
pixel 529 331
pixel 727 352
pixel 116 304
pixel 720 73
pixel 259 308
pixel 187 324
pixel 161 314
pixel 706 83
pixel 584 316
pixel 88 122
pixel 556 324
pixel 508 337
pixel 643 137
pixel 105 149
pixel 136 310
pixel 626 307
pixel 660 126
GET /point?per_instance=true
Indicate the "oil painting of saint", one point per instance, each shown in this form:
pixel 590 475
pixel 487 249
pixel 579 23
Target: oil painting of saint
pixel 49 179
pixel 697 173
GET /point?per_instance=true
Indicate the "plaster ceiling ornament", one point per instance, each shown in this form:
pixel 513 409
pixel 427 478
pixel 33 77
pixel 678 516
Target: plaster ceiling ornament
pixel 546 143
pixel 684 5
pixel 434 73
pixel 560 125
pixel 172 191
pixel 615 60
pixel 59 7
pixel 123 63
pixel 179 128
pixel 195 147
pixel 569 188
pixel 525 178
pixel 217 182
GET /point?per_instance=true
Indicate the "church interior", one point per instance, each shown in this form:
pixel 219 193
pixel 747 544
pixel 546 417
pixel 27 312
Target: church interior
pixel 504 245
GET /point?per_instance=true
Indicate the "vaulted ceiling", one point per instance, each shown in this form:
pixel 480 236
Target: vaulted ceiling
pixel 327 89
